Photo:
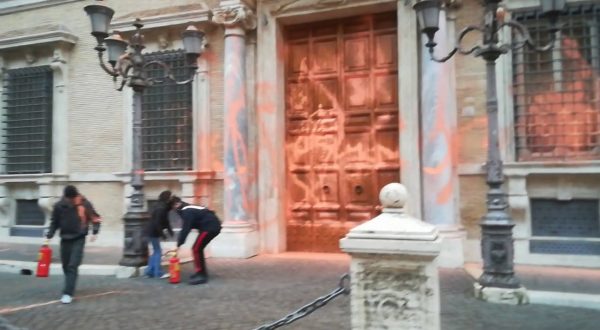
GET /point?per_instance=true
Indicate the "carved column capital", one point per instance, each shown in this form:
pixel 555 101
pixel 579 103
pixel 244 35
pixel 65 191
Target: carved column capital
pixel 452 6
pixel 237 16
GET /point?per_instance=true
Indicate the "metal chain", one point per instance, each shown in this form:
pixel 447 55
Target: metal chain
pixel 343 288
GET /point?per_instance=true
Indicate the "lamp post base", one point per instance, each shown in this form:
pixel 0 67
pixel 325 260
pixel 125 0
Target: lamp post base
pixel 135 247
pixel 510 296
pixel 497 251
pixel 505 281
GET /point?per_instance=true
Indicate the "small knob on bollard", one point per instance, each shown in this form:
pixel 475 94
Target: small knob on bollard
pixel 393 196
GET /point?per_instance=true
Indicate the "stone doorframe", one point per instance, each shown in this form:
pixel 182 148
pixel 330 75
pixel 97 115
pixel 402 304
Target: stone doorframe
pixel 270 103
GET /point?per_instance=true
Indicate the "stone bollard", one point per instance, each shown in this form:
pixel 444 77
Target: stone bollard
pixel 394 276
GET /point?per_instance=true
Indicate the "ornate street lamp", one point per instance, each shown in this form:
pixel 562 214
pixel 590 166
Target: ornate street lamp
pixel 496 225
pixel 130 66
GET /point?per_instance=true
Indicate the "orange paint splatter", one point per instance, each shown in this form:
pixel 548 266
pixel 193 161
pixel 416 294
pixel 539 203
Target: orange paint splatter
pixel 563 122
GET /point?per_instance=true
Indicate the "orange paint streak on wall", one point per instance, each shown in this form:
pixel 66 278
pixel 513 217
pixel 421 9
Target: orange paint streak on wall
pixel 239 145
pixel 476 123
pixel 446 193
pixel 441 139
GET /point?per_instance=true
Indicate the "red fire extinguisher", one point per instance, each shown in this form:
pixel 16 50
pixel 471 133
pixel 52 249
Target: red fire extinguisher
pixel 44 260
pixel 174 270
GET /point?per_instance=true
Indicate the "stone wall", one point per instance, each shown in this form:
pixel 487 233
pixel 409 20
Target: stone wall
pixel 94 106
pixel 96 122
pixel 104 196
pixel 472 123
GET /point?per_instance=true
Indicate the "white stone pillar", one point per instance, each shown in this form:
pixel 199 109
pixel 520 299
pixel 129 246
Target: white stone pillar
pixel 239 236
pixel 438 140
pixel 408 96
pixel 49 193
pixel 60 106
pixel 202 134
pixel 4 210
pixel 394 276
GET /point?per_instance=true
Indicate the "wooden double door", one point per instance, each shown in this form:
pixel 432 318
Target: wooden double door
pixel 341 126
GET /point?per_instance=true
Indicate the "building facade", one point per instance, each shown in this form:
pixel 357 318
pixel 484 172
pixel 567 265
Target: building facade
pixel 300 111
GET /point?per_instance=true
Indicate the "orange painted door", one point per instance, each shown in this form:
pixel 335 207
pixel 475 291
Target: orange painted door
pixel 341 126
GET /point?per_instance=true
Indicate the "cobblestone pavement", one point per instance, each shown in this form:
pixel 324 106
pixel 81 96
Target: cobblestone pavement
pixel 97 255
pixel 244 294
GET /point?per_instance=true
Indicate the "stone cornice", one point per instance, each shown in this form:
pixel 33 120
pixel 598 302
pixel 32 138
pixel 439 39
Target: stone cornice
pixel 284 8
pixel 533 4
pixel 8 9
pixel 162 18
pixel 573 167
pixel 182 176
pixel 38 35
pixel 300 5
pixel 235 16
pixel 528 168
pixel 36 178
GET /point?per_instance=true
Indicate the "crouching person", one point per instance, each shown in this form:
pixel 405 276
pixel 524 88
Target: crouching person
pixel 72 215
pixel 208 225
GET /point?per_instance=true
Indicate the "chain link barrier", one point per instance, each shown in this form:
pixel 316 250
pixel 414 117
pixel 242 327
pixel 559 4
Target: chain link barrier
pixel 343 288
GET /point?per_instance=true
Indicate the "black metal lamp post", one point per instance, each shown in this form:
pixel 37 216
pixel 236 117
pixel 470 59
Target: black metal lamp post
pixel 131 68
pixel 496 226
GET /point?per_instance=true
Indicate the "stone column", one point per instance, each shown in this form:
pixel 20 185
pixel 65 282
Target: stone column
pixel 5 208
pixel 408 96
pixel 49 192
pixel 60 106
pixel 394 276
pixel 203 134
pixel 239 237
pixel 439 143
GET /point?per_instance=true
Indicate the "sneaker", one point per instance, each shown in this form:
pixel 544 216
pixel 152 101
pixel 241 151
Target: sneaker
pixel 165 275
pixel 66 299
pixel 198 279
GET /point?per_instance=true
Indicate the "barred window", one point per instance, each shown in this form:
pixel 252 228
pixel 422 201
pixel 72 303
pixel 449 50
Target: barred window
pixel 30 219
pixel 27 121
pixel 557 93
pixel 29 213
pixel 167 116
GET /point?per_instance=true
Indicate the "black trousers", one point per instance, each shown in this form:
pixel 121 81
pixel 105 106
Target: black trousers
pixel 204 237
pixel 71 254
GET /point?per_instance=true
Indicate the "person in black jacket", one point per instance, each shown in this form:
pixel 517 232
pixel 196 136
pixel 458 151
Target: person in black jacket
pixel 72 215
pixel 154 230
pixel 208 225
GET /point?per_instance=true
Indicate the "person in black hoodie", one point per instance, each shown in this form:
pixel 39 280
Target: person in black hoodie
pixel 154 231
pixel 72 215
pixel 208 225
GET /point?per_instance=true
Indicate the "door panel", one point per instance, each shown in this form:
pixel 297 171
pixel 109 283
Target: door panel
pixel 356 53
pixel 341 126
pixel 325 56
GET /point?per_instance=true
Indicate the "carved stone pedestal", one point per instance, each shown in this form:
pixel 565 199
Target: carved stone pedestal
pixel 394 277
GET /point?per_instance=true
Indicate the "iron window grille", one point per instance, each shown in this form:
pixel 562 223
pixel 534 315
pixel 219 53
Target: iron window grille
pixel 167 116
pixel 29 213
pixel 557 93
pixel 565 227
pixel 27 120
